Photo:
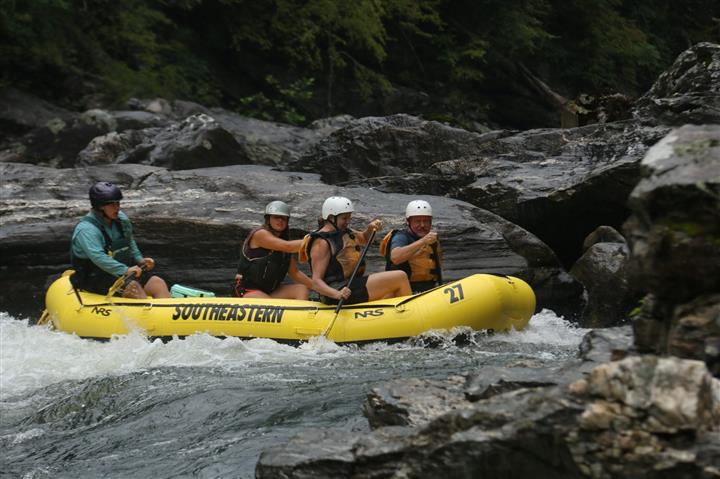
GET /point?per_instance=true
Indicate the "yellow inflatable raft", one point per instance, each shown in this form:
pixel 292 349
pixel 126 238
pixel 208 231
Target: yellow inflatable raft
pixel 481 302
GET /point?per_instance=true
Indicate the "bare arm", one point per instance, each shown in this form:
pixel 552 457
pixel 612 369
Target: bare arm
pixel 297 275
pixel 374 225
pixel 402 254
pixel 267 240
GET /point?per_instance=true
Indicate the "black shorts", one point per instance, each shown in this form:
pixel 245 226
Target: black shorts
pixel 358 292
pixel 422 286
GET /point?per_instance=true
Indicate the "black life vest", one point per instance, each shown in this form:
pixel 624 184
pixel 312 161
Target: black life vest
pixel 87 274
pixel 345 252
pixel 262 268
pixel 423 269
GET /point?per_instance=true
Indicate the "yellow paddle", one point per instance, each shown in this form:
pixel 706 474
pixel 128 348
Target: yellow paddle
pixel 122 282
pixel 349 281
pixel 44 317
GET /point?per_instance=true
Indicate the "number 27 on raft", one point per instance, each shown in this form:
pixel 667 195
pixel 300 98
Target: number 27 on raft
pixel 456 293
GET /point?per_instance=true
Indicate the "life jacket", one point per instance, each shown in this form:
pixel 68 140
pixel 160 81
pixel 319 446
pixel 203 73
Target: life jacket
pixel 423 269
pixel 262 268
pixel 88 274
pixel 345 251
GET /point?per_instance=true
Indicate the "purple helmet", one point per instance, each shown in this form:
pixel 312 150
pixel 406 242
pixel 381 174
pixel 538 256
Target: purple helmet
pixel 104 192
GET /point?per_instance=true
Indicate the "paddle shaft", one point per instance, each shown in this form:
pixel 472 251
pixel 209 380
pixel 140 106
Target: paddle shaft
pixel 349 281
pixel 437 262
pixel 123 281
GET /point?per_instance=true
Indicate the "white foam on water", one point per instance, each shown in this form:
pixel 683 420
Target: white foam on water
pixel 32 357
pixel 28 435
pixel 546 327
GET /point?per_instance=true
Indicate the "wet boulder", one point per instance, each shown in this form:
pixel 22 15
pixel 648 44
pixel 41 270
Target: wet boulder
pixel 607 344
pixel 688 92
pixel 603 271
pixel 264 142
pixel 558 184
pixel 275 144
pixel 674 235
pixel 695 331
pixel 196 142
pixel 21 112
pixel 177 135
pixel 377 147
pixel 675 228
pixel 215 138
pixel 35 131
pixel 415 402
pixel 644 417
pixel 57 142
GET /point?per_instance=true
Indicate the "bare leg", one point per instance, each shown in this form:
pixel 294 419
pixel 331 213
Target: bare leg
pixel 134 290
pixel 157 288
pixel 388 284
pixel 291 291
pixel 256 294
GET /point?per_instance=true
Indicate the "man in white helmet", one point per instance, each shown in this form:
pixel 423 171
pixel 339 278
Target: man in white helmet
pixel 266 258
pixel 333 259
pixel 416 249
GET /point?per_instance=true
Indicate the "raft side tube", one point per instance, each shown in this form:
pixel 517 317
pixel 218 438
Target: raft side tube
pixel 480 302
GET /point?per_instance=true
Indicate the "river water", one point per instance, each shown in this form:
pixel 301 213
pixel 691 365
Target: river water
pixel 204 407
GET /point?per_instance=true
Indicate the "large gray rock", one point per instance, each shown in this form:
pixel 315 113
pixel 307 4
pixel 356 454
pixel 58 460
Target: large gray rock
pixel 414 402
pixel 374 147
pixel 631 418
pixel 177 134
pixel 198 141
pixel 263 142
pixel 56 143
pixel 603 271
pixel 695 331
pixel 275 144
pixel 214 138
pixel 35 131
pixel 674 234
pixel 675 228
pixel 21 112
pixel 688 92
pixel 558 184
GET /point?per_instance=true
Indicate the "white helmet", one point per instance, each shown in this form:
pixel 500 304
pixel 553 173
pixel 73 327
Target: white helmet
pixel 418 208
pixel 336 205
pixel 277 208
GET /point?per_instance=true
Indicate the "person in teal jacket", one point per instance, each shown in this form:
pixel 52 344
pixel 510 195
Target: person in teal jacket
pixel 103 249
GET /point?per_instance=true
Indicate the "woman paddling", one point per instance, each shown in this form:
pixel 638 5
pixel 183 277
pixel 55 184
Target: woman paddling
pixel 266 258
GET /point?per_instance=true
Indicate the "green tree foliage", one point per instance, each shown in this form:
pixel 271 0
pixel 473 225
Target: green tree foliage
pixel 295 60
pixel 595 48
pixel 118 48
pixel 329 40
pixel 474 41
pixel 262 107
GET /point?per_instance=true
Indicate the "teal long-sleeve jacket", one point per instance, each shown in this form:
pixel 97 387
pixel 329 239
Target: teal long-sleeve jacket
pixel 88 243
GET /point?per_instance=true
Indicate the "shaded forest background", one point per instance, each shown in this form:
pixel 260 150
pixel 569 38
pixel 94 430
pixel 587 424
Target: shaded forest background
pixel 459 61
